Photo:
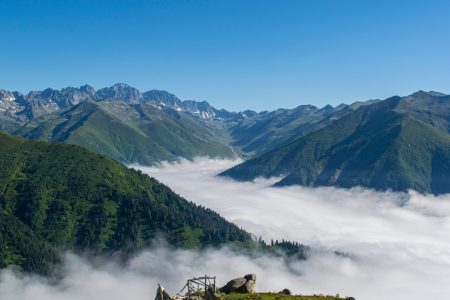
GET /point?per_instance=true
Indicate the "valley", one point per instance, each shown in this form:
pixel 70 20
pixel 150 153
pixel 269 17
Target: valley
pixel 367 143
pixel 224 150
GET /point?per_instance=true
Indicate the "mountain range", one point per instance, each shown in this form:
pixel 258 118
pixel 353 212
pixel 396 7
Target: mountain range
pixel 119 121
pixel 16 108
pixel 135 127
pixel 139 133
pixel 399 143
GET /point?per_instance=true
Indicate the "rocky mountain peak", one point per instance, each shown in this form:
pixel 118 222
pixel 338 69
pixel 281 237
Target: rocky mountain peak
pixel 248 113
pixel 87 89
pixel 120 91
pixel 6 96
pixel 423 94
pixel 327 107
pixel 161 96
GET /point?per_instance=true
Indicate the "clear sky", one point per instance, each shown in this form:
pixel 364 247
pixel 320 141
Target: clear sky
pixel 236 54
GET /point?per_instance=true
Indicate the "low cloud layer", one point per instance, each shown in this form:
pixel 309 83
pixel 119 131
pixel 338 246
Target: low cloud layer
pixel 138 279
pixel 399 243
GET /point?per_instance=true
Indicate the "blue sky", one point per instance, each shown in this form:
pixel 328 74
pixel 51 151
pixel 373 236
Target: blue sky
pixel 235 54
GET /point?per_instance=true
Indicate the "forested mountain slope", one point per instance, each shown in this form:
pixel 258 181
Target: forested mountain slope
pixel 56 196
pixel 380 146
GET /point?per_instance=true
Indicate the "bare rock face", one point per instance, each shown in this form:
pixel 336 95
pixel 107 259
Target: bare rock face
pixel 120 91
pixel 243 285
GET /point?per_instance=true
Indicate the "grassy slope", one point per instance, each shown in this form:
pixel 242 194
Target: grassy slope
pixel 9 125
pixel 373 147
pixel 129 134
pixel 276 296
pixel 71 198
pixel 257 134
pixel 288 158
pixel 429 108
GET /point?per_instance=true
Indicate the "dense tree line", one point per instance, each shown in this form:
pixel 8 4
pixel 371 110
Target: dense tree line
pixel 19 245
pixel 56 196
pixel 70 198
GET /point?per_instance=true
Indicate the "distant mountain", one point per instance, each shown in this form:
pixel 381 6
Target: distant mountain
pixel 430 107
pixel 398 143
pixel 55 197
pixel 201 109
pixel 255 133
pixel 135 127
pixel 147 127
pixel 260 132
pixel 129 133
pixel 10 111
pixel 17 109
pixel 164 98
pixel 118 121
pixel 37 103
pixel 120 91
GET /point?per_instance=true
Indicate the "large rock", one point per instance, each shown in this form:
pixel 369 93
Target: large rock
pixel 285 292
pixel 244 284
pixel 161 294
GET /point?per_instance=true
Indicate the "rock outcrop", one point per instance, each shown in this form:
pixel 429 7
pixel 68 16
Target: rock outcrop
pixel 244 284
pixel 161 294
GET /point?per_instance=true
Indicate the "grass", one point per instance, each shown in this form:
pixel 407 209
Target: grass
pixel 277 296
pixel 128 134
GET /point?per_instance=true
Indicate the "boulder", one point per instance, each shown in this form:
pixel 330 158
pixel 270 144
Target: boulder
pixel 250 277
pixel 161 294
pixel 285 292
pixel 244 285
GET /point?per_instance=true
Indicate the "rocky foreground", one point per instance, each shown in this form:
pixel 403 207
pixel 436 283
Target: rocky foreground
pixel 242 288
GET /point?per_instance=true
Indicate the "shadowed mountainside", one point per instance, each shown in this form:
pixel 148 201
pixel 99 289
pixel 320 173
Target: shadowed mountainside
pixel 398 143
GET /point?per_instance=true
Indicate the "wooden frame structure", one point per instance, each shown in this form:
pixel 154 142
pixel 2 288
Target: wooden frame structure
pixel 199 285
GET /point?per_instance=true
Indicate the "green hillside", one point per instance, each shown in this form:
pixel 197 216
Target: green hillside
pixel 260 133
pixel 21 246
pixel 142 133
pixel 57 196
pixel 375 147
pixel 430 107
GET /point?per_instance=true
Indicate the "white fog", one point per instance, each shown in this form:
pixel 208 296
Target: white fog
pixel 398 243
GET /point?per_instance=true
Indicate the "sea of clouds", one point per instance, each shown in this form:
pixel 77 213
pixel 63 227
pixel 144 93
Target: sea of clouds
pixel 399 243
